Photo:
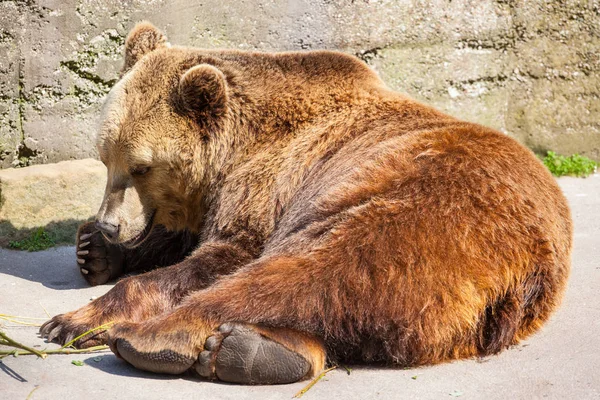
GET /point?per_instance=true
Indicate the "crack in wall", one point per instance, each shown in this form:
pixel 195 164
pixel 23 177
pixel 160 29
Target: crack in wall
pixel 23 154
pixel 369 55
pixel 92 87
pixel 74 67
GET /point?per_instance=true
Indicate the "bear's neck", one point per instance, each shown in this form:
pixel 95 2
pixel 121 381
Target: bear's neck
pixel 275 104
pixel 270 110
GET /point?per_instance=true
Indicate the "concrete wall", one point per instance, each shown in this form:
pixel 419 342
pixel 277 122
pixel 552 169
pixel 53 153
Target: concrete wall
pixel 527 67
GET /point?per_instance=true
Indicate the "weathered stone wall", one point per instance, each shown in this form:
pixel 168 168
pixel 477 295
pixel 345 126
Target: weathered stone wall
pixel 527 67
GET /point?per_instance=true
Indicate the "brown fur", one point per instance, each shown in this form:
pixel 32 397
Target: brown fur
pixel 326 204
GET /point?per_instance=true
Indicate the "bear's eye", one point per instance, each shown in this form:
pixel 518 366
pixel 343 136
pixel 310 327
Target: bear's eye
pixel 140 170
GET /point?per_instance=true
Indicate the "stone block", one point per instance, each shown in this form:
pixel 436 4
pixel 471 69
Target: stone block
pixel 55 197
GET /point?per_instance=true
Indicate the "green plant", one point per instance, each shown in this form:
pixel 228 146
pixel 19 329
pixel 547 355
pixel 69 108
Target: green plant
pixel 39 240
pixel 574 165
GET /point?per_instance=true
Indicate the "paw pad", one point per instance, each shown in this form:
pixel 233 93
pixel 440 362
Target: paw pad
pixel 161 361
pixel 237 353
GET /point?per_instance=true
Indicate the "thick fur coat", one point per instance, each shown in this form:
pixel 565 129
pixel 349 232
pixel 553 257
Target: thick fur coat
pixel 315 206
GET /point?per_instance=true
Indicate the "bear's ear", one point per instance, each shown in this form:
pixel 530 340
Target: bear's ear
pixel 203 93
pixel 141 40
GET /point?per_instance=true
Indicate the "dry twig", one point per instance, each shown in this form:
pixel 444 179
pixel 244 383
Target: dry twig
pixel 45 353
pixel 313 382
pixel 101 327
pixel 65 349
pixel 20 320
pixel 31 393
pixel 6 341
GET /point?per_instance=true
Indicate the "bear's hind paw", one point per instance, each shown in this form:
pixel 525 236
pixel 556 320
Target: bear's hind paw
pixel 243 353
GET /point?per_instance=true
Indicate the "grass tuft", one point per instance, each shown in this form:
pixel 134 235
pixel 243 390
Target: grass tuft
pixel 574 165
pixel 39 240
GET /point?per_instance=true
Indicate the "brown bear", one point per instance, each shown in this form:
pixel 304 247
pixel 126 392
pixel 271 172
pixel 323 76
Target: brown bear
pixel 306 213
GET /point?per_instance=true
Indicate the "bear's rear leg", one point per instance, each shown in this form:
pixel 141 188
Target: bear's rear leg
pixel 251 354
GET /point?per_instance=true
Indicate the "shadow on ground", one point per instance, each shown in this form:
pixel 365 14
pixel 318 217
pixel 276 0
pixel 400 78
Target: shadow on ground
pixel 55 268
pixel 11 373
pixel 110 364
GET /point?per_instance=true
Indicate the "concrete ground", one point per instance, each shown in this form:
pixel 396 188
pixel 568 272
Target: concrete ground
pixel 562 361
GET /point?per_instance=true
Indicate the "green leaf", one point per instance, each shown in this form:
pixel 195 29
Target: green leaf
pixel 574 165
pixel 77 362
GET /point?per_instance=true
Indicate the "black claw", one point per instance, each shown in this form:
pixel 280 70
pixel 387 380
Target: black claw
pixel 47 327
pixel 69 337
pixel 54 333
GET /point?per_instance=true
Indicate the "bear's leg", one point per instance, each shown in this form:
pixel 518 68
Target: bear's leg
pixel 355 311
pixel 259 325
pixel 140 297
pixel 100 261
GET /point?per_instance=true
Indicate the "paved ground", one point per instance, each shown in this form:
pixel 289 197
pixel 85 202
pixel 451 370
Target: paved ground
pixel 562 361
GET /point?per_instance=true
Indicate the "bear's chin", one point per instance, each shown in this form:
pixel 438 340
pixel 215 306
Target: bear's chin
pixel 142 236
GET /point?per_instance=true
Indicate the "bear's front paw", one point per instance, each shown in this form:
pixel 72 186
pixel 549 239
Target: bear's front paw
pixel 98 260
pixel 63 328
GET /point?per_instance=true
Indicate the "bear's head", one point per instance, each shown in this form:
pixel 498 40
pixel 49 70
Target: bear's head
pixel 159 133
